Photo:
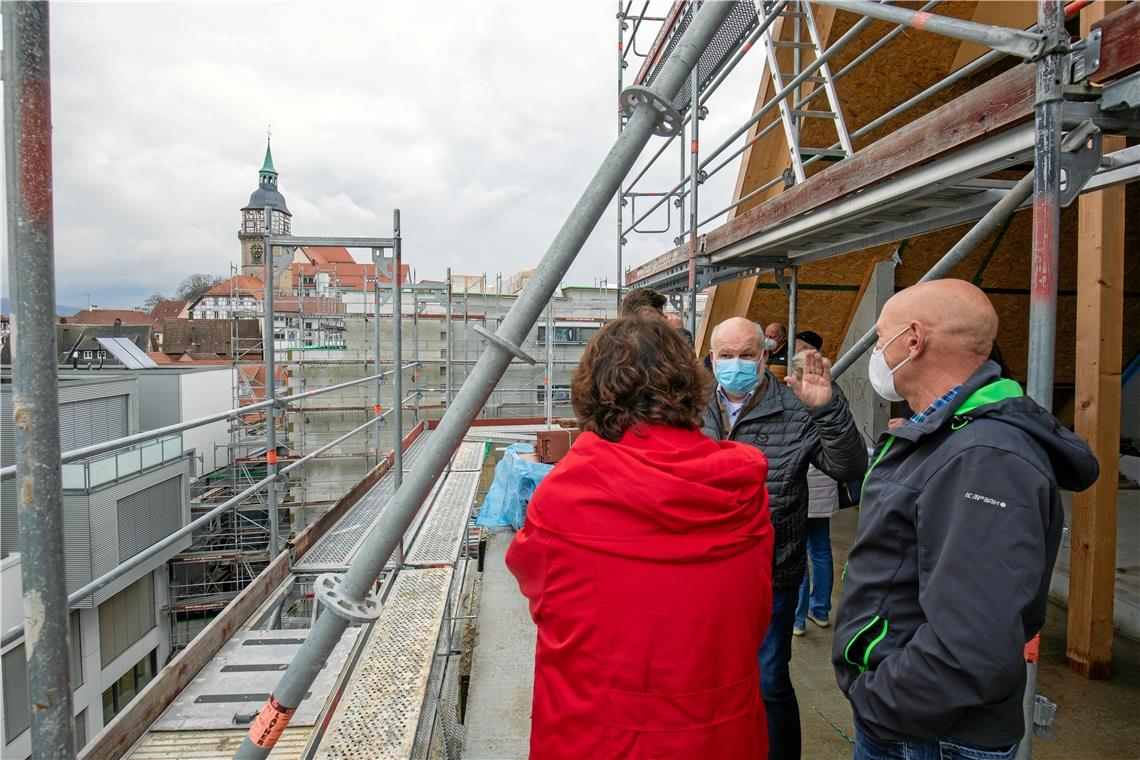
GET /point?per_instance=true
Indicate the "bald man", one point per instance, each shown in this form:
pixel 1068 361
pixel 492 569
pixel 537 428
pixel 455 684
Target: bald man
pixel 960 524
pixel 804 422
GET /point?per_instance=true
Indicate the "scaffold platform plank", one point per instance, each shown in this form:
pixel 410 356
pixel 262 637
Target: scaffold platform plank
pixel 469 456
pixel 380 712
pixel 337 547
pixel 446 523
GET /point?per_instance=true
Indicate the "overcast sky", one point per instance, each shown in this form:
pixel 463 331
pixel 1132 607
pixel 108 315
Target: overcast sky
pixel 482 121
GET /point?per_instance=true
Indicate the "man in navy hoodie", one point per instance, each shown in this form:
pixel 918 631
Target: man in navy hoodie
pixel 961 521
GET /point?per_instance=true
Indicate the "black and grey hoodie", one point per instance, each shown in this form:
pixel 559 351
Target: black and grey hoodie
pixel 948 578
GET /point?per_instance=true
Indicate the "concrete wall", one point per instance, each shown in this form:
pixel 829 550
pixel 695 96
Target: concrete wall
pixel 871 412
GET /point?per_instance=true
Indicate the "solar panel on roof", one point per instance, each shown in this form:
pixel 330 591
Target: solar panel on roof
pixel 127 352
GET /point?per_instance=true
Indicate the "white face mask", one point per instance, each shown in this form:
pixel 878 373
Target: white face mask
pixel 882 376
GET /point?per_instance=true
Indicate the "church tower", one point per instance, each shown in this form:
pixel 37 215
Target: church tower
pixel 253 257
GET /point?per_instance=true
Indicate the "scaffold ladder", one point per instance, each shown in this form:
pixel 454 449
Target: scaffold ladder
pixel 791 113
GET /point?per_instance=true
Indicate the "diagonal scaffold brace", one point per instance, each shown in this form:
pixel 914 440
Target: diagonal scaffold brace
pixel 354 587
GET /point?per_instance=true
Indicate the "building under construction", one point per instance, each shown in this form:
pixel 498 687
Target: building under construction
pixel 887 144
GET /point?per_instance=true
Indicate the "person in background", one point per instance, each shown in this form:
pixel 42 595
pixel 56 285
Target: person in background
pixel 949 574
pixel 804 422
pixel 823 502
pixel 642 298
pixel 646 557
pixel 674 321
pixel 777 335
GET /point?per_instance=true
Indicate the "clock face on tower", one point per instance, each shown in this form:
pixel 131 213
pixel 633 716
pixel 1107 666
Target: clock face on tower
pixel 255 250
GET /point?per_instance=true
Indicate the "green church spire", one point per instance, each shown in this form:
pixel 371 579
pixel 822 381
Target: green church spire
pixel 268 175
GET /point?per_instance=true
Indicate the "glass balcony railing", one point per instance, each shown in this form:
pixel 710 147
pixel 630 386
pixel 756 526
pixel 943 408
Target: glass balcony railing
pixel 82 476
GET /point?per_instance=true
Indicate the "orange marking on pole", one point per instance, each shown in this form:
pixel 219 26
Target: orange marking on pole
pixel 378 409
pixel 1033 649
pixel 270 724
pixel 747 46
pixel 920 19
pixel 694 145
pixel 271 457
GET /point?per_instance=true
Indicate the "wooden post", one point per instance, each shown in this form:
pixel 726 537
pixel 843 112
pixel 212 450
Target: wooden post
pixel 1100 317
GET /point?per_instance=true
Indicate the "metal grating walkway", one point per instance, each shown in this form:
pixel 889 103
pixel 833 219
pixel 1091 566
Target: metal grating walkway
pixel 469 457
pixel 337 547
pixel 446 524
pixel 381 708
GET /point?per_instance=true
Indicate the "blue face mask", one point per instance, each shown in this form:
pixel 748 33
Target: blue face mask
pixel 737 376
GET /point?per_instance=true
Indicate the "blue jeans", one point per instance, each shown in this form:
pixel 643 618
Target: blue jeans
pixel 780 705
pixel 868 747
pixel 820 572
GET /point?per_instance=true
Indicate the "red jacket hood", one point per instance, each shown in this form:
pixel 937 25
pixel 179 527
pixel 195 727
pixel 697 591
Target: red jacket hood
pixel 655 482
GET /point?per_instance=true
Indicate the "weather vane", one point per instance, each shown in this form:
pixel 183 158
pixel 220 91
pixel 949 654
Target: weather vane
pixel 268 132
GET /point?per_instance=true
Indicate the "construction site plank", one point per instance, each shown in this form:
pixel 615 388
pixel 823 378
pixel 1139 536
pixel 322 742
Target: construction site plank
pixel 1119 44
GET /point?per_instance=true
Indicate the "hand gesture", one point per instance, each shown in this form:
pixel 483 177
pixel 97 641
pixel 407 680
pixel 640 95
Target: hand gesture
pixel 812 386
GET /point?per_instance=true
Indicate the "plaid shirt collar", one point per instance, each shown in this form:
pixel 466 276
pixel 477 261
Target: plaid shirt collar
pixel 937 404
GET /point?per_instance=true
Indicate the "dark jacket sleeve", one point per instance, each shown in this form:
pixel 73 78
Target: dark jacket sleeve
pixel 982 521
pixel 839 450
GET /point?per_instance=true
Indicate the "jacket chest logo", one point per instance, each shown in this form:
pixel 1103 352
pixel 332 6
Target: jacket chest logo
pixel 984 499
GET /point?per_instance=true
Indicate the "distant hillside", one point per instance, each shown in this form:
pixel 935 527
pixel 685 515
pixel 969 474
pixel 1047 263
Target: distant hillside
pixel 60 311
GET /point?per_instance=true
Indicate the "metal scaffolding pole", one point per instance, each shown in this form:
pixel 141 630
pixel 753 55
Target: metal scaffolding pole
pixel 269 351
pixel 378 408
pixel 347 598
pixel 549 380
pixel 447 340
pixel 35 385
pixel 1017 42
pixel 694 182
pixel 1046 255
pixel 416 350
pixel 620 200
pixel 793 304
pixel 398 359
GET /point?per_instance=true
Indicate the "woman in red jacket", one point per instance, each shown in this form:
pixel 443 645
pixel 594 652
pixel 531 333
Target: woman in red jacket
pixel 647 558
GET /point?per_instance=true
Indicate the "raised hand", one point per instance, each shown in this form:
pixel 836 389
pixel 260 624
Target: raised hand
pixel 812 386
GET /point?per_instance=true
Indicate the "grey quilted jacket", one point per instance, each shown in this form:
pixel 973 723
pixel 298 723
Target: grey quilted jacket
pixel 791 437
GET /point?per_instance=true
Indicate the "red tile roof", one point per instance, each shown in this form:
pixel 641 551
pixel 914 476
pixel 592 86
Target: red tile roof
pixel 327 255
pixel 167 310
pixel 346 276
pixel 242 284
pixel 108 317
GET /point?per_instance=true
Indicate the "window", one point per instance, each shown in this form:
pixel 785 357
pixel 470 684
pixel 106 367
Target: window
pixel 570 335
pixel 81 729
pixel 125 618
pixel 146 517
pixel 76 651
pixel 87 354
pixel 558 393
pixel 17 717
pixel 129 685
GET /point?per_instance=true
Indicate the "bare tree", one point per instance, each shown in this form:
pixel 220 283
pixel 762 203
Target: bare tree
pixel 154 299
pixel 195 285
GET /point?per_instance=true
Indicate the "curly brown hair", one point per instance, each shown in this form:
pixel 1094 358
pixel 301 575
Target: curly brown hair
pixel 638 370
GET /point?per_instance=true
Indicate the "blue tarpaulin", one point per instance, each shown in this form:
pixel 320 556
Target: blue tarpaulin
pixel 514 484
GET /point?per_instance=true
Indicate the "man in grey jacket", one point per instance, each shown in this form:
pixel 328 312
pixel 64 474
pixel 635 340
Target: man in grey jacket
pixel 961 520
pixel 804 422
